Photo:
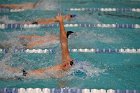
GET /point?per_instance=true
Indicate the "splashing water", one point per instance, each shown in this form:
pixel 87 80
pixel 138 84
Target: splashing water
pixel 88 18
pixel 6 20
pixel 5 68
pixel 11 43
pixel 48 5
pixel 100 37
pixel 84 69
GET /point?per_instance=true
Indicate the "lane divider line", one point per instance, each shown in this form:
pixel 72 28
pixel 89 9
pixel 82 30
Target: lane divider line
pixel 80 50
pixel 86 25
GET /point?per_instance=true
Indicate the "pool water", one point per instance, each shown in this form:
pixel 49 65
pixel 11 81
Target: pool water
pixel 108 71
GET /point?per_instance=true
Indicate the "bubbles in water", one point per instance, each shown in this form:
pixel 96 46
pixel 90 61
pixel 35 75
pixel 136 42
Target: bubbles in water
pixel 5 68
pixel 88 18
pixel 48 5
pixel 100 37
pixel 6 20
pixel 84 69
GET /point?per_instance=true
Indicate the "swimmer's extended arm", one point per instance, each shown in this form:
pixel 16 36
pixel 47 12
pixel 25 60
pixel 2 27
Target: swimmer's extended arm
pixel 63 40
pixel 50 20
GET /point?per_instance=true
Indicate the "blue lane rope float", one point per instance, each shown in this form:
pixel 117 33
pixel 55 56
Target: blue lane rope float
pixel 5 10
pixel 105 9
pixel 63 90
pixel 21 26
pixel 80 50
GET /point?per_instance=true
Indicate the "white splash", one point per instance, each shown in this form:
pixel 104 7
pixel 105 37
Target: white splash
pixel 4 68
pixel 48 5
pixel 85 69
pixel 100 37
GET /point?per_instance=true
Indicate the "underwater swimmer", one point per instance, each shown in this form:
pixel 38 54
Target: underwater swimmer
pixel 39 41
pixel 59 70
pixel 21 6
pixel 31 41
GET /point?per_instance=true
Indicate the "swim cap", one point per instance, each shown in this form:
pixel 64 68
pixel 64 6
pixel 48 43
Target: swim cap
pixel 72 16
pixel 69 32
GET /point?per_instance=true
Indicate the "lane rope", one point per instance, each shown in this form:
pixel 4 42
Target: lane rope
pixel 86 25
pixel 64 90
pixel 105 9
pixel 80 50
pixel 5 10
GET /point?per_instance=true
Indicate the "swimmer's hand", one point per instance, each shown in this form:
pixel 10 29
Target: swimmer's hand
pixel 59 18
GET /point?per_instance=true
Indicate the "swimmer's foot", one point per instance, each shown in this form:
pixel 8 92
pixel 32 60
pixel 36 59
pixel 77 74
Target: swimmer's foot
pixel 24 72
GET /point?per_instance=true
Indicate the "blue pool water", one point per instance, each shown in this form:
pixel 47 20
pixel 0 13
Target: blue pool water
pixel 108 71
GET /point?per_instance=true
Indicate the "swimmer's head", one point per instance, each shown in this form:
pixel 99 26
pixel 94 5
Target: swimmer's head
pixel 69 33
pixel 72 16
pixel 69 17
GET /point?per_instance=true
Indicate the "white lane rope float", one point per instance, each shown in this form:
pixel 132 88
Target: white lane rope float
pixel 5 10
pixel 105 9
pixel 63 90
pixel 86 25
pixel 80 50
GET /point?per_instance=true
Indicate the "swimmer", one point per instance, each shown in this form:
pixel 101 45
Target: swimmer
pixel 25 6
pixel 42 21
pixel 56 71
pixel 31 41
pixel 34 41
pixel 50 20
pixel 59 70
